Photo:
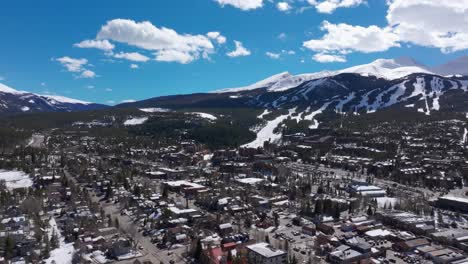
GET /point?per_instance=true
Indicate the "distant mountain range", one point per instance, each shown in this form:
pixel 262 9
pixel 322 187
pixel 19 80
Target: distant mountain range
pixel 13 101
pixel 365 88
pixel 360 89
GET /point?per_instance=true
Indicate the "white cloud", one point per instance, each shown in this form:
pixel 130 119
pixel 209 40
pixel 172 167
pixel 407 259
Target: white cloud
pixel 278 55
pixel 87 74
pixel 242 4
pixel 327 58
pixel 90 87
pixel 282 36
pixel 239 51
pixel 283 6
pixel 133 66
pixel 436 24
pixel 329 6
pixel 108 89
pixel 71 64
pixel 43 84
pixel 216 36
pixel 128 101
pixel 175 56
pixel 95 44
pixel 76 66
pixel 272 55
pixel 440 24
pixel 344 38
pixel 167 43
pixel 132 56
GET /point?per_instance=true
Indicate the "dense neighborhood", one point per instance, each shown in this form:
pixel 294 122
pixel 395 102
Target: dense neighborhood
pixel 391 193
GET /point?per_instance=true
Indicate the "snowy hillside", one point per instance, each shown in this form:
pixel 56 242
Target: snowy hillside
pixel 14 101
pixel 388 69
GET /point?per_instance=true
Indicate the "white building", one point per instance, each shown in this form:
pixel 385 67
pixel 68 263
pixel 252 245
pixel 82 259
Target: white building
pixel 263 253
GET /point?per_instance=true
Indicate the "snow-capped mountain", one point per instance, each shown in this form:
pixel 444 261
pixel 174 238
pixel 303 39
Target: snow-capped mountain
pixel 14 101
pixel 388 69
pixel 364 88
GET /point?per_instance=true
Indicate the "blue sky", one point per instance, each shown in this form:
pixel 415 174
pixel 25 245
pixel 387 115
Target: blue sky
pixel 42 46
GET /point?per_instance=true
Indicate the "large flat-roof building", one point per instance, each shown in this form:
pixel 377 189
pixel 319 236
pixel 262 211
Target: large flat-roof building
pixel 263 253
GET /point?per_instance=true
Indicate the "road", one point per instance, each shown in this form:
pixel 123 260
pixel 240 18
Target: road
pixel 150 251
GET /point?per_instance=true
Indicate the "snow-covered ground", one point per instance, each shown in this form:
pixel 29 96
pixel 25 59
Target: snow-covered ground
pixel 154 110
pixel 389 69
pixel 311 116
pixel 15 179
pixel 64 253
pixel 135 121
pixel 205 115
pixel 266 133
pixel 264 113
pixel 465 134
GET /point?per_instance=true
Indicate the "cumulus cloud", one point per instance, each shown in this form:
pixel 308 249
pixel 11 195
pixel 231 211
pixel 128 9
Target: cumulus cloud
pixel 278 55
pixel 272 55
pixel 95 44
pixel 344 38
pixel 327 58
pixel 329 6
pixel 283 6
pixel 239 51
pixel 436 24
pixel 132 56
pixel 76 66
pixel 216 36
pixel 133 66
pixel 242 4
pixel 87 74
pixel 167 44
pixel 440 24
pixel 175 56
pixel 71 64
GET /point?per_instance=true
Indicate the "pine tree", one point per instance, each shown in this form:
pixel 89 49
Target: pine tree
pixel 369 211
pixel 197 254
pixel 8 248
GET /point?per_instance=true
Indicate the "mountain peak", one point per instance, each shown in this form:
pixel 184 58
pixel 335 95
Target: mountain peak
pixel 7 89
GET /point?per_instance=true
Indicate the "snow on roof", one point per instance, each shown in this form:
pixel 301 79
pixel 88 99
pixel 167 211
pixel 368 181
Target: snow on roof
pixel 176 210
pixel 378 233
pixel 250 180
pixel 453 198
pixel 266 250
pixel 181 183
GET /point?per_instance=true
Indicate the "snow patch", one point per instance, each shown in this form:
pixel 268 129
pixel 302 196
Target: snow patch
pixel 205 115
pixel 64 253
pixel 15 179
pixel 267 134
pixel 154 110
pixel 135 121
